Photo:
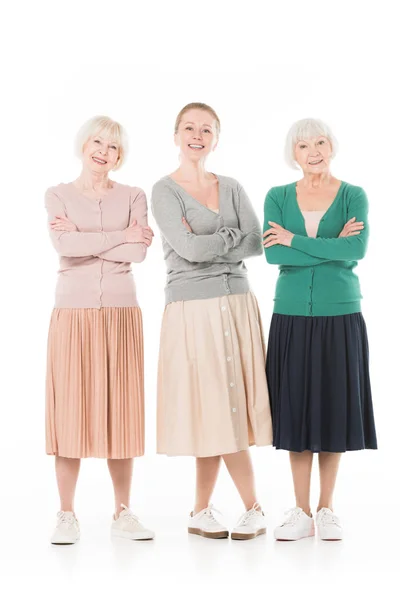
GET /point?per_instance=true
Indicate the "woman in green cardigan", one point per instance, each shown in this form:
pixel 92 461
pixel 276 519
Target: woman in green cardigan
pixel 316 230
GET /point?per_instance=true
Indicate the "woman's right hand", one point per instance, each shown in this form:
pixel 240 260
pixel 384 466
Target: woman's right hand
pixel 352 227
pixel 136 234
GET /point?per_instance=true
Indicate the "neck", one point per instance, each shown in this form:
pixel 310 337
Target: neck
pixel 317 180
pixel 192 171
pixel 90 180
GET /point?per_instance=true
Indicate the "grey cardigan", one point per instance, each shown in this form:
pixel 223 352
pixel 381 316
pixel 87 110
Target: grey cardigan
pixel 208 262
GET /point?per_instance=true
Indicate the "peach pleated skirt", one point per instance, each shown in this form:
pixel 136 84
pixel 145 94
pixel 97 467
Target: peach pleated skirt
pixel 212 387
pixel 94 384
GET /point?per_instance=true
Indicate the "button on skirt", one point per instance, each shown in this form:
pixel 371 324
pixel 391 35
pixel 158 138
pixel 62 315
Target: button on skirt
pixel 319 384
pixel 94 385
pixel 212 388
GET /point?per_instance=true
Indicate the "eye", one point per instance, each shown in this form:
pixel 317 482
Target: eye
pixel 207 131
pixel 113 147
pixel 321 142
pixel 302 146
pixel 97 141
pixel 189 128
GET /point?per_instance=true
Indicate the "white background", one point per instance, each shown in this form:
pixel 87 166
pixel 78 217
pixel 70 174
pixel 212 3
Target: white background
pixel 261 65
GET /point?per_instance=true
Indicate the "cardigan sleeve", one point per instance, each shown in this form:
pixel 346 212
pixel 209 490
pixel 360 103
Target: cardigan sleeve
pixel 283 255
pixel 168 214
pixel 251 244
pixel 345 248
pixel 77 243
pixel 127 252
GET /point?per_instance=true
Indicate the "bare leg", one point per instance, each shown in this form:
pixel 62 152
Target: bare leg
pixel 328 468
pixel 301 463
pixel 121 475
pixel 67 471
pixel 207 470
pixel 240 469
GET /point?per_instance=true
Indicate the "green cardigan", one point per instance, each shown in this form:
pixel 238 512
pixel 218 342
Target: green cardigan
pixel 316 275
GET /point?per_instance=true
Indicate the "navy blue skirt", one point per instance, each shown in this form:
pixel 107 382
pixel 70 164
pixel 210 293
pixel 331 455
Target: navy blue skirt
pixel 319 385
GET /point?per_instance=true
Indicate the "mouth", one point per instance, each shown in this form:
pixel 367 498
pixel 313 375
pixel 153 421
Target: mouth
pixel 196 146
pixel 314 163
pixel 99 161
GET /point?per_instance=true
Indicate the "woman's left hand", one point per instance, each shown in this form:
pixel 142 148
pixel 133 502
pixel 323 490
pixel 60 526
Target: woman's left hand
pixel 63 224
pixel 277 235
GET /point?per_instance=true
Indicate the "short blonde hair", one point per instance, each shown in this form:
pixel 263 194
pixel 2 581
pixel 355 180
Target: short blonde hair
pixel 304 130
pixel 106 127
pixel 198 106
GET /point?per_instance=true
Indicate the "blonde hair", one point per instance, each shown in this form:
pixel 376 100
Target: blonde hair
pixel 106 127
pixel 304 130
pixel 198 106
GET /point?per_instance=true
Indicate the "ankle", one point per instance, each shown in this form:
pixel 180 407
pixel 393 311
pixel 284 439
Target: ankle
pixel 321 506
pixel 256 505
pixel 306 510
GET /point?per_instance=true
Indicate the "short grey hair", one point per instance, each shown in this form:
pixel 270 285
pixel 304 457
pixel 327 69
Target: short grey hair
pixel 103 126
pixel 304 130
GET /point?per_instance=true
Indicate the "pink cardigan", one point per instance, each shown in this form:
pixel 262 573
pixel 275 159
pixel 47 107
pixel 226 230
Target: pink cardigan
pixel 95 261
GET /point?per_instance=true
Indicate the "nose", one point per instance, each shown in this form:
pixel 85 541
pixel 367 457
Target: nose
pixel 315 152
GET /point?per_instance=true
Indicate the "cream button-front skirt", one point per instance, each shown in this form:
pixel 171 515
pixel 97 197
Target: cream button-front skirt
pixel 212 387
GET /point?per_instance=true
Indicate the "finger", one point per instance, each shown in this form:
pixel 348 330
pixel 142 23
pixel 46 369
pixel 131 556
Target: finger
pixel 270 232
pixel 133 224
pixel 269 243
pixel 354 233
pixel 275 225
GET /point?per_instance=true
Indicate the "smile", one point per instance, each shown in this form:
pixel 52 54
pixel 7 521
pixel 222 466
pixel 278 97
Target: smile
pixel 196 146
pixel 315 162
pixel 99 161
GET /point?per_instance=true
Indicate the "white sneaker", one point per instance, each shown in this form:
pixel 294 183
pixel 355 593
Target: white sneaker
pixel 205 524
pixel 128 526
pixel 296 525
pixel 67 529
pixel 328 524
pixel 250 525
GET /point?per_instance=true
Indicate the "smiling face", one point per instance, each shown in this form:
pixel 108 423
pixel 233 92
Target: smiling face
pixel 100 154
pixel 197 134
pixel 314 154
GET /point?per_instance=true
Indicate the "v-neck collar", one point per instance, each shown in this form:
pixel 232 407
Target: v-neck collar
pixel 333 203
pixel 216 214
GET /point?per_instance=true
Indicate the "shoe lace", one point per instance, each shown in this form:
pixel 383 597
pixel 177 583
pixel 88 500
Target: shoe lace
pixel 209 513
pixel 65 519
pixel 248 515
pixel 292 516
pixel 327 517
pixel 128 515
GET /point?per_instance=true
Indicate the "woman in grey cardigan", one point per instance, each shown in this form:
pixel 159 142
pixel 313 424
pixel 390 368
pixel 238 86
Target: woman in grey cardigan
pixel 212 391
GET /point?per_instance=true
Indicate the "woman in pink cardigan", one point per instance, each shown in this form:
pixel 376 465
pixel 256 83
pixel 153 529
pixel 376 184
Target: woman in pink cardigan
pixel 94 386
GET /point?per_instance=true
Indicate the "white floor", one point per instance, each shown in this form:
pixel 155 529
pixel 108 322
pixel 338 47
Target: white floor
pixel 179 565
